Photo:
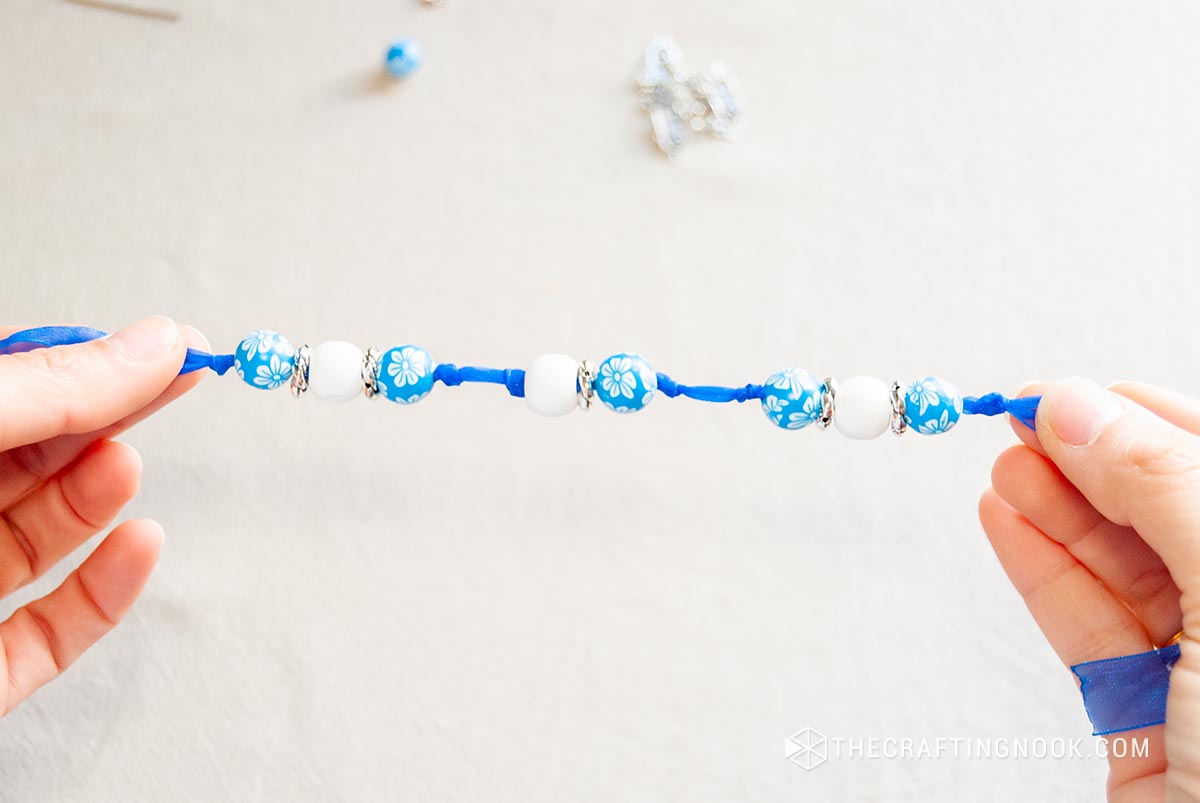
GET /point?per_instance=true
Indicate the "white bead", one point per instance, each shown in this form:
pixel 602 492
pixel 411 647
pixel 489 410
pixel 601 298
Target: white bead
pixel 550 384
pixel 862 407
pixel 335 371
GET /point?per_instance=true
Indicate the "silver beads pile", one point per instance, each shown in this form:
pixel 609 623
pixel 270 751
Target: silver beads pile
pixel 679 102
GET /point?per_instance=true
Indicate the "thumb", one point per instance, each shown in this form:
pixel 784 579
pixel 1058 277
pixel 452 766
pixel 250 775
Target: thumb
pixel 86 386
pixel 1135 468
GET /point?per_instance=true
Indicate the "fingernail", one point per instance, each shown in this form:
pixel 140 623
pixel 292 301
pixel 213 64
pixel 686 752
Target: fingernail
pixel 160 536
pixel 1079 411
pixel 146 340
pixel 137 456
pixel 195 338
pixel 1023 388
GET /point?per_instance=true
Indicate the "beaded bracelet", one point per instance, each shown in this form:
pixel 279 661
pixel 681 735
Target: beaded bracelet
pixel 556 384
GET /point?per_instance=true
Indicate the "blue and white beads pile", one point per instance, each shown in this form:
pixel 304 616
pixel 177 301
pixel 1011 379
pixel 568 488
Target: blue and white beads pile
pixel 555 384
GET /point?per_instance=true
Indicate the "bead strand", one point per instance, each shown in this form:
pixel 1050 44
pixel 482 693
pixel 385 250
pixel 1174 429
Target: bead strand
pixel 267 360
pixel 860 407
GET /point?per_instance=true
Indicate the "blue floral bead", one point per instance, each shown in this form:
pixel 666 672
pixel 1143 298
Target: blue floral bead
pixel 625 383
pixel 403 58
pixel 405 374
pixel 264 359
pixel 792 398
pixel 932 405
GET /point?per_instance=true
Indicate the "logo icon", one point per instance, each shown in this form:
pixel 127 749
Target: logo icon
pixel 806 748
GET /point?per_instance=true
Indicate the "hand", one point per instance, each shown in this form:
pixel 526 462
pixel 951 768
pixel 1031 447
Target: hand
pixel 62 480
pixel 1096 520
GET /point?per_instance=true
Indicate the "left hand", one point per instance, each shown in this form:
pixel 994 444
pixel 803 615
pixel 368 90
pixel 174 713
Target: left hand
pixel 63 479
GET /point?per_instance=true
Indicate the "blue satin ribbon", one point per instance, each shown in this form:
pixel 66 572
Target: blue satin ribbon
pixel 1128 692
pixel 1023 408
pixel 513 379
pixel 450 375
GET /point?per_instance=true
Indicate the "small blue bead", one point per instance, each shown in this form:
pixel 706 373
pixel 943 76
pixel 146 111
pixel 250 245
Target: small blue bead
pixel 932 405
pixel 625 383
pixel 405 374
pixel 792 398
pixel 403 58
pixel 264 360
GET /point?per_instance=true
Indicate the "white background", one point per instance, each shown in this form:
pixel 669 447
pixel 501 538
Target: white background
pixel 463 601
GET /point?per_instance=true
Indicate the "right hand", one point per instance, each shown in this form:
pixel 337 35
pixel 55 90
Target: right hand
pixel 1096 519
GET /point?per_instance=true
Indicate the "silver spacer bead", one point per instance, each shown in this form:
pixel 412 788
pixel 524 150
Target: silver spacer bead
pixel 586 377
pixel 370 372
pixel 899 425
pixel 300 370
pixel 828 399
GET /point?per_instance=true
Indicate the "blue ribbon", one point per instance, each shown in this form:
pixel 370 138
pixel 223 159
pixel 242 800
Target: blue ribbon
pixel 513 379
pixel 1024 408
pixel 709 393
pixel 1128 692
pixel 450 375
